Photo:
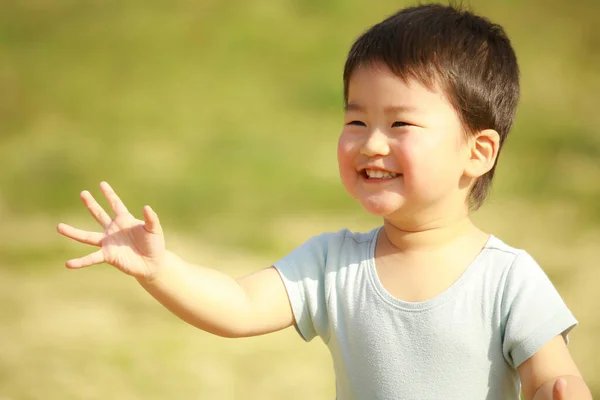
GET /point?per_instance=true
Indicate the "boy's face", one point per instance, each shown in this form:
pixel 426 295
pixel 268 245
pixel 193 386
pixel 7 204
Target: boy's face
pixel 402 148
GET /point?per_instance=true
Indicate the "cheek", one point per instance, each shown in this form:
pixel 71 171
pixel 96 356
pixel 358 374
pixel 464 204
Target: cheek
pixel 345 151
pixel 410 154
pixel 434 166
pixel 424 162
pixel 346 160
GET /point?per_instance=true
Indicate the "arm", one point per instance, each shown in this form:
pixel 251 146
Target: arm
pixel 205 298
pixel 545 374
pixel 219 304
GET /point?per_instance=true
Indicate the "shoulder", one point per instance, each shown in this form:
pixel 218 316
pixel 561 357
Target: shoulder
pixel 511 259
pixel 347 234
pixel 532 310
pixel 497 248
pixel 344 237
pixel 509 269
pixel 522 276
pixel 329 246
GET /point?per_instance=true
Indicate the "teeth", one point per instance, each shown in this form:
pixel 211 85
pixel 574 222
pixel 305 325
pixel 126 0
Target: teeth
pixel 379 174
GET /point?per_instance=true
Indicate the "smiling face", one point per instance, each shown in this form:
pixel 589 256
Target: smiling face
pixel 403 149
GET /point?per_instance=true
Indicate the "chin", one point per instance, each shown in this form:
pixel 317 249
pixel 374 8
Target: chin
pixel 379 208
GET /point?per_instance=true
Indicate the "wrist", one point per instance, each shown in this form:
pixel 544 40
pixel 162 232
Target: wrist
pixel 158 270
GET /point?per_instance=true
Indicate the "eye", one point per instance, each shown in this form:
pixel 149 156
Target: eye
pixel 398 124
pixel 357 123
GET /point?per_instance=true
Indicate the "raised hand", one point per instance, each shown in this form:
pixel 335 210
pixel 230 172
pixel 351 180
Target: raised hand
pixel 133 246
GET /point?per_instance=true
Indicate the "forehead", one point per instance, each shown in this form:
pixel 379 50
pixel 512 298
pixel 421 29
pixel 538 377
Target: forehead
pixel 376 85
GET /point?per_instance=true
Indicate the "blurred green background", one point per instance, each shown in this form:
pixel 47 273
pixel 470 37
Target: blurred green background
pixel 224 115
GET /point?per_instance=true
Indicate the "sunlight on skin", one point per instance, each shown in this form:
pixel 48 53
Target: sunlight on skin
pixel 75 115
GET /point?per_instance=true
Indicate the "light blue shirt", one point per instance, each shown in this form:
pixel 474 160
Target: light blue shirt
pixel 465 343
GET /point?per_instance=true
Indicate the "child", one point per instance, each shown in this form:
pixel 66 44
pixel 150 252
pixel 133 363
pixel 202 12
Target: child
pixel 427 306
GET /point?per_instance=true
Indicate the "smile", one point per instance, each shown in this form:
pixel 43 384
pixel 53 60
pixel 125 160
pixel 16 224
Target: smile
pixel 378 174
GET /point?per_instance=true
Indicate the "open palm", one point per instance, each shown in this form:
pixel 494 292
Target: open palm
pixel 136 247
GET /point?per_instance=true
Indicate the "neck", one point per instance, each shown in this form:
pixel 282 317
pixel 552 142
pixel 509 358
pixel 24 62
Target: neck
pixel 433 233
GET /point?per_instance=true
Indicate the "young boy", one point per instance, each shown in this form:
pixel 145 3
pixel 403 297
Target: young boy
pixel 427 306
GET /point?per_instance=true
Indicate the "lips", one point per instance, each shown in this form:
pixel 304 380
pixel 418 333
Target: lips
pixel 379 174
pixel 375 174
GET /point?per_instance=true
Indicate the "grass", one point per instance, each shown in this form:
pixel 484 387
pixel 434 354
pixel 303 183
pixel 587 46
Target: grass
pixel 224 115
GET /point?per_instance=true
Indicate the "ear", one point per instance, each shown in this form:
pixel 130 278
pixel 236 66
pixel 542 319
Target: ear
pixel 483 151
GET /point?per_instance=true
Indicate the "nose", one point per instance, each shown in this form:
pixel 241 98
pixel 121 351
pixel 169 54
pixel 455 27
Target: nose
pixel 375 144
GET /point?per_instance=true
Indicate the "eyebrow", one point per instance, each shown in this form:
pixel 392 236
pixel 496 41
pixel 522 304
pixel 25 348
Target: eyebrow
pixel 387 110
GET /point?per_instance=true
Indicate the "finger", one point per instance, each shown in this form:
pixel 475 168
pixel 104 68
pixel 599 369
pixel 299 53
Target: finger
pixel 151 222
pixel 559 392
pixel 95 209
pixel 115 202
pixel 87 237
pixel 96 257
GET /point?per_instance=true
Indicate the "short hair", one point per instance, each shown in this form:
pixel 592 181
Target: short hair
pixel 468 57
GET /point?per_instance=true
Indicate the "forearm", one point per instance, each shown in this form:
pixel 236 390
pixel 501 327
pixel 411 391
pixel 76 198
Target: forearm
pixel 576 389
pixel 205 298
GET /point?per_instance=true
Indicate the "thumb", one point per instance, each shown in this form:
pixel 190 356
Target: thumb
pixel 151 222
pixel 559 392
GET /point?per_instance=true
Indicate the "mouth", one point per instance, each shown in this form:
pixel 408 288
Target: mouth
pixel 378 174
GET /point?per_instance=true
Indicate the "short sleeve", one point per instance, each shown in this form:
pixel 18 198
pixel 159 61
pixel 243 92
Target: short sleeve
pixel 302 272
pixel 533 311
